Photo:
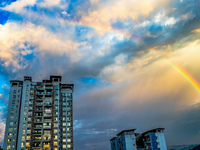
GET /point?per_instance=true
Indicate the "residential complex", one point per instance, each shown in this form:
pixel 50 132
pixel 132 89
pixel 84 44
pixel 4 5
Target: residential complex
pixel 40 115
pixel 149 140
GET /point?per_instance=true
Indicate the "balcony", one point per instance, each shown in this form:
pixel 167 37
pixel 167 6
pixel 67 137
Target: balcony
pixel 37 138
pixel 38 120
pixel 38 114
pixel 46 144
pixel 39 104
pixel 40 93
pixel 41 88
pixel 37 144
pixel 48 93
pixel 47 103
pixel 37 126
pixel 39 99
pixel 48 87
pixel 47 137
pixel 39 109
pixel 37 132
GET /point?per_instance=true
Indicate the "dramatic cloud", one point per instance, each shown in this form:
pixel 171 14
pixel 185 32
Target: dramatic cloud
pixel 129 61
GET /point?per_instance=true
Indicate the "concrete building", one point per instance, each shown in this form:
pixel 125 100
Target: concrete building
pixel 125 140
pixel 40 115
pixel 154 139
pixel 149 140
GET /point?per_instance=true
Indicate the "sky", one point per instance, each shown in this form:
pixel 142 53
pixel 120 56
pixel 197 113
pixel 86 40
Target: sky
pixel 134 63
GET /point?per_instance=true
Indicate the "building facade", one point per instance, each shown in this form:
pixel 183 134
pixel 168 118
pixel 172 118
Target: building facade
pixel 149 140
pixel 40 115
pixel 125 140
pixel 154 139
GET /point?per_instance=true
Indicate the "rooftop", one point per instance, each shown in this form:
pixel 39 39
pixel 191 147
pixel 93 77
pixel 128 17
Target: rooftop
pixel 130 130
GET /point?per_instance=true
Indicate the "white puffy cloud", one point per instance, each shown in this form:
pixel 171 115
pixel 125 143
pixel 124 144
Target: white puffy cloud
pixel 18 6
pixel 16 40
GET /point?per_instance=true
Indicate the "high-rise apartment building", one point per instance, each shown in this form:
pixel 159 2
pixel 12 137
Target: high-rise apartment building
pixel 40 115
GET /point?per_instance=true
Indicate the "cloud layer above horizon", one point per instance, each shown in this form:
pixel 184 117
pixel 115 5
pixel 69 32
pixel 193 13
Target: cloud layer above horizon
pixel 120 56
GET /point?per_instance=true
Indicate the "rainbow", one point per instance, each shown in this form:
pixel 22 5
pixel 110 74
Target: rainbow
pixel 182 72
pixel 138 41
pixel 127 36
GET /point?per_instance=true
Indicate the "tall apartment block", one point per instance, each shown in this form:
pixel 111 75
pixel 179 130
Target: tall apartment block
pixel 149 140
pixel 40 115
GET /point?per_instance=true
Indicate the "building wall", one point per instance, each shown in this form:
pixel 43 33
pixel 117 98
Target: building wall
pixel 161 140
pixel 130 141
pixel 12 123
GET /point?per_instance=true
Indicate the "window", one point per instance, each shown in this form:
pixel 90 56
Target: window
pixel 14 96
pixel 14 91
pixel 28 144
pixel 8 147
pixel 9 141
pixel 22 144
pixel 55 137
pixel 55 131
pixel 11 123
pixel 10 129
pixel 47 132
pixel 64 146
pixel 28 131
pixel 28 138
pixel 64 135
pixel 24 125
pixel 68 140
pixel 23 138
pixel 13 146
pixel 23 131
pixel 55 124
pixel 68 146
pixel 13 101
pixel 55 143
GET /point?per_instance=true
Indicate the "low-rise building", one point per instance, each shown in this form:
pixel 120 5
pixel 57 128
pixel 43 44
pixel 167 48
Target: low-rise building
pixel 125 140
pixel 153 140
pixel 149 140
